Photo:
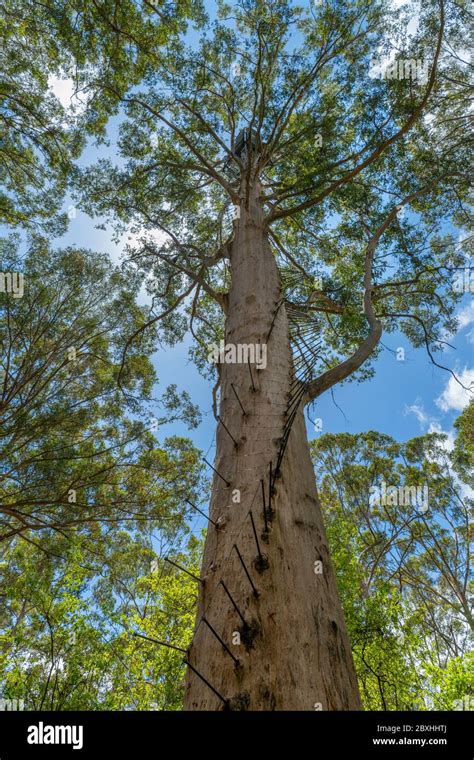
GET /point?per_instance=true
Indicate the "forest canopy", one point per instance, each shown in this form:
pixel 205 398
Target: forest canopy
pixel 265 173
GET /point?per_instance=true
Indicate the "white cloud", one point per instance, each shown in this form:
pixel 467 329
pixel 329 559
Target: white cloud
pixel 448 444
pixel 466 316
pixel 419 412
pixel 441 453
pixel 381 62
pixel 63 89
pixel 136 239
pixel 415 19
pixel 454 395
pixel 430 423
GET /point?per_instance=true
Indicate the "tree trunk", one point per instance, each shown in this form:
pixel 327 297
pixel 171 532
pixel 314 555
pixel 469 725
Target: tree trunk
pixel 294 652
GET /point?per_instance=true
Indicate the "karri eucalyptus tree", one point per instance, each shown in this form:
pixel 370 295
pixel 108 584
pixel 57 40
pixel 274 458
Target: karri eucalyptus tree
pixel 296 175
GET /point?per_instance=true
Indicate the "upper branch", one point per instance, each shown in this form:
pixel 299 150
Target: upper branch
pixel 206 166
pixel 352 363
pixel 380 149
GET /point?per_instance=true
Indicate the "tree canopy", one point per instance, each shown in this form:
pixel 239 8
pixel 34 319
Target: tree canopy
pixel 98 50
pixel 90 501
pixel 353 125
pixel 403 567
pixel 364 179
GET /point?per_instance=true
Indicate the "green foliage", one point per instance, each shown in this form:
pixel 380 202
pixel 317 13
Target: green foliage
pixel 402 569
pixel 88 497
pixel 454 683
pixel 76 435
pixel 336 151
pixel 68 639
pixel 98 49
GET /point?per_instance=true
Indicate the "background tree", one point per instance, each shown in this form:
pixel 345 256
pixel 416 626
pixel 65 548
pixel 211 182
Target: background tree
pixel 403 568
pixel 82 473
pixel 90 502
pixel 318 257
pixel 78 45
pixel 67 638
pixel 75 452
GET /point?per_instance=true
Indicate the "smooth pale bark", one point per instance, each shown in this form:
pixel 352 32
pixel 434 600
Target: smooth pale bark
pixel 296 654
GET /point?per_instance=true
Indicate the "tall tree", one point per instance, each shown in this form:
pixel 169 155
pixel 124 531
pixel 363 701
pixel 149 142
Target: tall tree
pixel 273 169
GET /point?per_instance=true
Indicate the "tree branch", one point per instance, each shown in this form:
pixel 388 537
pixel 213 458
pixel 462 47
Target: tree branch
pixel 292 210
